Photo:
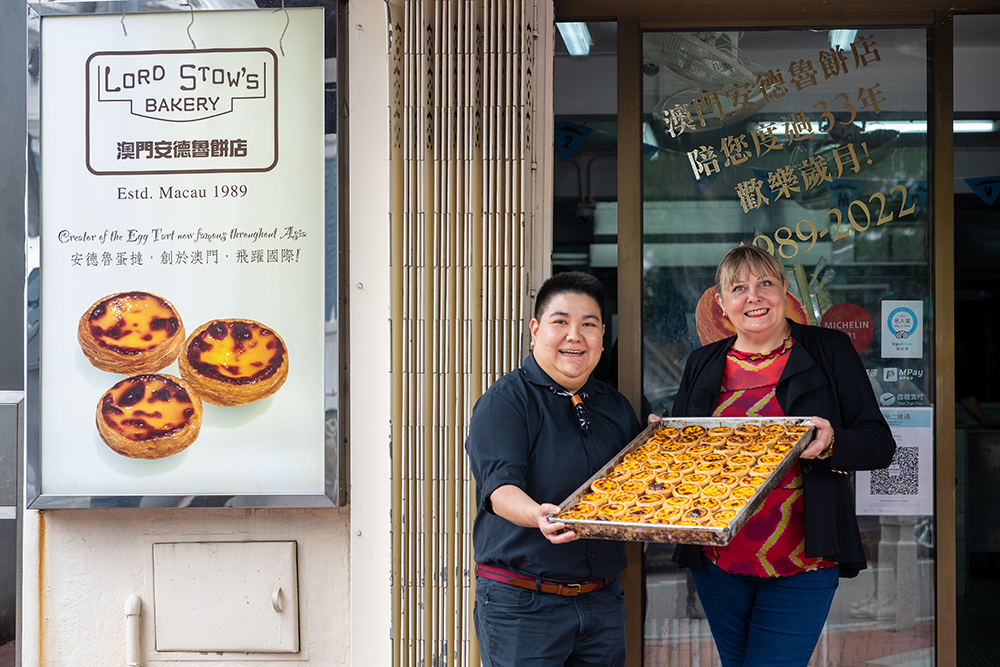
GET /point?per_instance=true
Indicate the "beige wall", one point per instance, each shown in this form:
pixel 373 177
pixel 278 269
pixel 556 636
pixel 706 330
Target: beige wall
pixel 80 567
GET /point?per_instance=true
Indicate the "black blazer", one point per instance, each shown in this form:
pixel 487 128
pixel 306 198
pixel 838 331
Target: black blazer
pixel 824 377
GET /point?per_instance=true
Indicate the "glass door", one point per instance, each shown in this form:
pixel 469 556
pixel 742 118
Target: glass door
pixel 813 145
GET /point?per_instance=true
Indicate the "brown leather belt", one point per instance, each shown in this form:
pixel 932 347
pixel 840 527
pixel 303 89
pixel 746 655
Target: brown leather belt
pixel 552 587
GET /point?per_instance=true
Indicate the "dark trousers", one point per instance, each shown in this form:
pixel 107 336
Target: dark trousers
pixel 522 628
pixel 760 622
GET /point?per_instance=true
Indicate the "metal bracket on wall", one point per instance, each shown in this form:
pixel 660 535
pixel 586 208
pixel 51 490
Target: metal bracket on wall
pixel 11 416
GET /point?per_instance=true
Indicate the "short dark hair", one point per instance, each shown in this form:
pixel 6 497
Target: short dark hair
pixel 570 282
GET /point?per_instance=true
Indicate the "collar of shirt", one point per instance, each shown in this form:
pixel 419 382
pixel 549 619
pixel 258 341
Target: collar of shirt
pixel 537 376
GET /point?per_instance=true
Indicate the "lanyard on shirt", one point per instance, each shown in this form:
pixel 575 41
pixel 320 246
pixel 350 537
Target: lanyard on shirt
pixel 578 406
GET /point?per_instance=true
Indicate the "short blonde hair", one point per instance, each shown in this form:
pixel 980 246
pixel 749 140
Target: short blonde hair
pixel 746 257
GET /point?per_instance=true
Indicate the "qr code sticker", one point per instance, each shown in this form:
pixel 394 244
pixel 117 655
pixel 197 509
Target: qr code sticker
pixel 900 478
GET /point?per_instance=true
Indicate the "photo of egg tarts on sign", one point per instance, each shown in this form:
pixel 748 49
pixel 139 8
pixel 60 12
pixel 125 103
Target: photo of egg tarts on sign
pixel 149 416
pixel 130 333
pixel 234 361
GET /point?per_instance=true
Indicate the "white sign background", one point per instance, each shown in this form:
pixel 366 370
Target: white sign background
pixel 907 486
pixel 269 268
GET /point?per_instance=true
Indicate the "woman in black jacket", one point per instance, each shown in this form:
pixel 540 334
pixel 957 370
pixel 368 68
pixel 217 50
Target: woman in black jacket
pixel 768 593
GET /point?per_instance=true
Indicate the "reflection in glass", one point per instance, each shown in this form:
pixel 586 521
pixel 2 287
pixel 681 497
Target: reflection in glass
pixel 780 139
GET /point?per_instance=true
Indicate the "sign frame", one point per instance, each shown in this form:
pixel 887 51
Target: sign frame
pixel 333 452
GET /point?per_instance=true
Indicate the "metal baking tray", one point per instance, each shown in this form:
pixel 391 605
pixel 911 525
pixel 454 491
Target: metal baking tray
pixel 709 535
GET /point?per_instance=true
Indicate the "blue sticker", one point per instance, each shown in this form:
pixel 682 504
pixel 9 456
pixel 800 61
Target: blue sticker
pixel 902 323
pixel 987 187
pixel 569 136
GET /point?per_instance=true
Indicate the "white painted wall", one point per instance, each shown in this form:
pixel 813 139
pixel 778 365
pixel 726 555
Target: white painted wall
pixel 368 290
pixel 80 566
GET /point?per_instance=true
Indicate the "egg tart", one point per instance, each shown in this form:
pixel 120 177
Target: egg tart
pixel 734 503
pixel 693 430
pixel 672 477
pixel 626 498
pixel 648 448
pixel 668 514
pixel 727 479
pixel 149 416
pixel 680 502
pixel 594 498
pixel 698 514
pixel 572 515
pixel 720 431
pixel 748 429
pixel 654 500
pixel 635 456
pixel 618 476
pixel 636 486
pixel 725 515
pixel 687 489
pixel 743 492
pixel 659 488
pixel 588 510
pixel 771 458
pixel 659 458
pixel 604 485
pixel 699 479
pixel 234 362
pixel 668 432
pixel 742 460
pixel 684 521
pixel 708 503
pixel 614 510
pixel 717 491
pixel 709 467
pixel 762 469
pixel 766 440
pixel 131 333
pixel 772 429
pixel 702 448
pixel 789 439
pixel 674 448
pixel 639 513
pixel 682 467
pixel 735 469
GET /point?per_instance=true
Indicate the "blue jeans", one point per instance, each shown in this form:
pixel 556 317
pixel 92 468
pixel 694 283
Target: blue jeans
pixel 519 628
pixel 760 622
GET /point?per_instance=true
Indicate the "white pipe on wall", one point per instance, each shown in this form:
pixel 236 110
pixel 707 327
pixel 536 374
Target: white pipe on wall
pixel 133 606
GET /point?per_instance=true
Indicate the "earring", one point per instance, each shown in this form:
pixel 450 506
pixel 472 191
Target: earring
pixel 724 313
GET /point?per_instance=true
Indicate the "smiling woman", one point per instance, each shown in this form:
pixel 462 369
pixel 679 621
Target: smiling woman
pixel 535 436
pixel 568 338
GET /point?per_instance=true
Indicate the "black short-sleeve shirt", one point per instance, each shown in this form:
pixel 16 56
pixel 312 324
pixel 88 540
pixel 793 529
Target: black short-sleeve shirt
pixel 524 434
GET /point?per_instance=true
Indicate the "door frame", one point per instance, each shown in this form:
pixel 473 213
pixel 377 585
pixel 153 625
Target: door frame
pixel 632 16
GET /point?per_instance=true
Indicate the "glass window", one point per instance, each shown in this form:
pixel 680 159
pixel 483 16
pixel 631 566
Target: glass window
pixel 813 145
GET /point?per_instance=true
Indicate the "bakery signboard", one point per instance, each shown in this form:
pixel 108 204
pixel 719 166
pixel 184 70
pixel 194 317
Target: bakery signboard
pixel 182 250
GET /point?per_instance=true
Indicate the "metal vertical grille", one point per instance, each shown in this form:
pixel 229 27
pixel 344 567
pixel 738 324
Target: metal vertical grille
pixel 461 167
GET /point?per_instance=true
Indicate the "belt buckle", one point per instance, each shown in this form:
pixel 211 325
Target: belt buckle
pixel 575 588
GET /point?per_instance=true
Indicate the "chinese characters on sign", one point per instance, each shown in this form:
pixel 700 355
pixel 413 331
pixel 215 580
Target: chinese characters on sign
pixel 173 229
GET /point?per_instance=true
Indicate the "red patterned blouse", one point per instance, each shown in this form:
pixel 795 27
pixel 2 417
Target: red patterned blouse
pixel 772 541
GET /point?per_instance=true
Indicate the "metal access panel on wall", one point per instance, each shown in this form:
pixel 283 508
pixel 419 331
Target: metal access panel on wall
pixel 226 597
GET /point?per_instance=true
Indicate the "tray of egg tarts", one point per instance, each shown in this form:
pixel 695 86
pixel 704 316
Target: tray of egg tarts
pixel 687 481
